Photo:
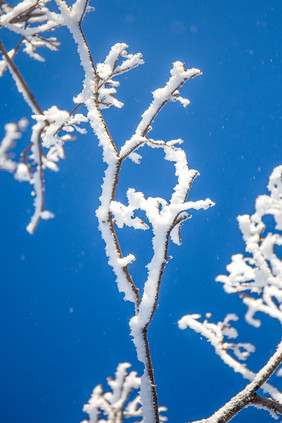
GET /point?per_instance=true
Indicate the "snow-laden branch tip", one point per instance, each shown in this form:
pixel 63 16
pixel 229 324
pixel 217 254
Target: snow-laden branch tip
pixel 161 96
pixel 60 120
pixel 116 63
pixel 110 69
pixel 260 272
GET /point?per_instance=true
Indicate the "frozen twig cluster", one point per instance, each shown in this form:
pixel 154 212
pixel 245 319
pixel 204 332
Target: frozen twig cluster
pixel 260 273
pixel 120 403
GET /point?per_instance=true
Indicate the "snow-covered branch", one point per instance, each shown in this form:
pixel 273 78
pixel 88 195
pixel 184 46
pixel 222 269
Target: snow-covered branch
pixel 115 405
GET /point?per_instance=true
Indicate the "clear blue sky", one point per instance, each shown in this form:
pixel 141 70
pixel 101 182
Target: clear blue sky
pixel 64 326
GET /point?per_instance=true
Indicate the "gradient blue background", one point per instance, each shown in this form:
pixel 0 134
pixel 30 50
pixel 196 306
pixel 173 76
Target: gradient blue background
pixel 64 326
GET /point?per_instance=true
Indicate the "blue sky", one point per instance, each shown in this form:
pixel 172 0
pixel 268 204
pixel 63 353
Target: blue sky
pixel 64 326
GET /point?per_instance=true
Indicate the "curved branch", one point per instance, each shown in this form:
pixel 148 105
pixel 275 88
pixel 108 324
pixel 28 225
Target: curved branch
pixel 274 407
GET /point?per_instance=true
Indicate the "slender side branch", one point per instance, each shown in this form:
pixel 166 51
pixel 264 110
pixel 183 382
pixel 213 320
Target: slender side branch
pixel 16 19
pixel 246 397
pixel 268 404
pixel 11 55
pixel 160 97
pixel 20 82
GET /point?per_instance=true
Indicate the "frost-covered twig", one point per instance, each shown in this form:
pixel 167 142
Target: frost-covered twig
pixel 20 82
pixel 160 97
pixel 260 274
pixel 267 404
pixel 117 404
pixel 11 54
pixel 110 69
pixel 248 395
